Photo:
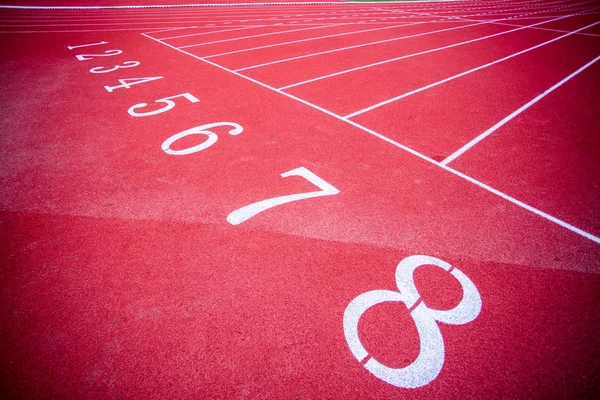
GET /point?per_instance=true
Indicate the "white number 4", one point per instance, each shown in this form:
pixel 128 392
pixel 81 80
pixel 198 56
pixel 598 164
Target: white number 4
pixel 245 213
pixel 167 100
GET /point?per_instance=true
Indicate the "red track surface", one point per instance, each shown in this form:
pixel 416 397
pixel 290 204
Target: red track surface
pixel 122 277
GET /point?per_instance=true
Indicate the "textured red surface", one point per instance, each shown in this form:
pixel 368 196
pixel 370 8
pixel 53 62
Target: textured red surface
pixel 121 277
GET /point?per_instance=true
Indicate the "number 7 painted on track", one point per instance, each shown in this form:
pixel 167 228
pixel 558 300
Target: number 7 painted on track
pixel 245 213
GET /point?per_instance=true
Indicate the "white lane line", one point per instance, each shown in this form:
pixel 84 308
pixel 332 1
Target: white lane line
pixel 494 128
pixel 207 33
pixel 403 147
pixel 402 96
pixel 162 6
pixel 305 40
pixel 187 15
pixel 544 29
pixel 171 29
pixel 415 54
pixel 263 34
pixel 360 45
pixel 80 30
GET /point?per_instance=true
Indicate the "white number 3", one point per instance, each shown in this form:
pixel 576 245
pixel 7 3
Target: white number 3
pixel 430 360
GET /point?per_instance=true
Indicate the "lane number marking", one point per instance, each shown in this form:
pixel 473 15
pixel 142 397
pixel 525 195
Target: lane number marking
pixel 126 64
pixel 129 82
pixel 211 138
pixel 85 45
pixel 245 213
pixel 108 53
pixel 430 360
pixel 167 100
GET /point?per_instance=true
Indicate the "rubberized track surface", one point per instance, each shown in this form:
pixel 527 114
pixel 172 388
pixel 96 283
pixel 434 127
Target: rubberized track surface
pixel 433 224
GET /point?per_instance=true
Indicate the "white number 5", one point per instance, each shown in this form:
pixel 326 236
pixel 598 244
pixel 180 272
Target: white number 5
pixel 167 100
pixel 245 213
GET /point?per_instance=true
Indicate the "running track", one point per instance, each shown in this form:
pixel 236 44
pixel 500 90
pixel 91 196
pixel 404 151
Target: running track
pixel 433 226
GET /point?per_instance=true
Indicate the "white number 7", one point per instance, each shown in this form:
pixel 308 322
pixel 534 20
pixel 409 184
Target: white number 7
pixel 245 213
pixel 167 100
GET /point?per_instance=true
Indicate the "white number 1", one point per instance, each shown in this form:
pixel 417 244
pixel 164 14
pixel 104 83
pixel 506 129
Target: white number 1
pixel 245 213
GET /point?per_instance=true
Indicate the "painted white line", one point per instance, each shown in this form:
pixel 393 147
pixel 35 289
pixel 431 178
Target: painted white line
pixel 414 54
pixel 208 33
pixel 263 34
pixel 403 147
pixel 544 29
pixel 183 15
pixel 402 96
pixel 171 29
pixel 80 30
pixel 494 128
pixel 332 3
pixel 305 40
pixel 359 45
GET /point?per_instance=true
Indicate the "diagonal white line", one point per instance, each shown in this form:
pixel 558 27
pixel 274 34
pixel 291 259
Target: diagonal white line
pixel 171 29
pixel 207 33
pixel 306 40
pixel 403 147
pixel 417 54
pixel 402 96
pixel 494 128
pixel 361 45
pixel 262 34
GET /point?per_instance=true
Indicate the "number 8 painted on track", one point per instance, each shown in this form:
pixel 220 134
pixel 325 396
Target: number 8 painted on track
pixel 430 360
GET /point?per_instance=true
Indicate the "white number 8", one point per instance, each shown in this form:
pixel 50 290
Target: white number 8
pixel 430 360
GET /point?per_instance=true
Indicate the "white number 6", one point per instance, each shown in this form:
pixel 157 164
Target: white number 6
pixel 430 360
pixel 199 130
pixel 167 100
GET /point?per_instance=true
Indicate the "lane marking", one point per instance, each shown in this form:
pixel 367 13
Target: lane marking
pixel 333 3
pixel 430 360
pixel 421 89
pixel 415 54
pixel 171 29
pixel 423 157
pixel 494 128
pixel 306 40
pixel 320 26
pixel 359 45
pixel 207 33
pixel 405 37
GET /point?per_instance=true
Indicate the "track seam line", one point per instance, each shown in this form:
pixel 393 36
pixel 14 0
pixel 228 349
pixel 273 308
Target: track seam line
pixel 474 181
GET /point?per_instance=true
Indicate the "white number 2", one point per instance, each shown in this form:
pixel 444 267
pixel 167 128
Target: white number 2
pixel 430 360
pixel 245 213
pixel 167 100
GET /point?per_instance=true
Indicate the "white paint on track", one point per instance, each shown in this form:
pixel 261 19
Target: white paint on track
pixel 211 32
pixel 474 181
pixel 307 40
pixel 261 35
pixel 335 3
pixel 360 45
pixel 503 122
pixel 451 78
pixel 414 55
